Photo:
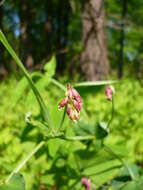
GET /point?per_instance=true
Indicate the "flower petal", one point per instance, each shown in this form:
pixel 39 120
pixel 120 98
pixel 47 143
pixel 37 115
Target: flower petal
pixel 63 103
pixel 77 105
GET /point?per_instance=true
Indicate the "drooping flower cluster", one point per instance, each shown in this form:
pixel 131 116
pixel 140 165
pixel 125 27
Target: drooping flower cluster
pixel 86 183
pixel 109 91
pixel 73 102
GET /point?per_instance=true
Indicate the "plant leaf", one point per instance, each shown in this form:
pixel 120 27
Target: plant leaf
pixel 94 83
pixel 50 67
pixel 103 167
pixel 102 130
pixel 15 183
pixel 42 105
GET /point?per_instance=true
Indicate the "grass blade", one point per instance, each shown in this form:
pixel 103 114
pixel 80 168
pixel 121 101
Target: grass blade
pixel 94 83
pixel 43 107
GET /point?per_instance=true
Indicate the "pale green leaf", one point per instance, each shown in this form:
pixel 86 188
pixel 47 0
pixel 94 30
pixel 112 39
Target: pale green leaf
pixel 15 183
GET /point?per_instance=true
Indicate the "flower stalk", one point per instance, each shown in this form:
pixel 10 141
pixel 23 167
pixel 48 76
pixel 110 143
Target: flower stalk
pixel 110 96
pixel 112 113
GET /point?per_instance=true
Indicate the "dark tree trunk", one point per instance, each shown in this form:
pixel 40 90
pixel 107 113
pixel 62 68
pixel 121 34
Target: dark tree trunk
pixel 49 26
pixel 94 57
pixel 122 39
pixel 62 32
pixel 25 45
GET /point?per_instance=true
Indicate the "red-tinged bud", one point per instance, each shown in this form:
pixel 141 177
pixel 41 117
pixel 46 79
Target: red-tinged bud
pixel 77 105
pixel 74 103
pixel 63 103
pixel 109 91
pixel 76 95
pixel 86 183
pixel 76 115
pixel 73 113
pixel 69 111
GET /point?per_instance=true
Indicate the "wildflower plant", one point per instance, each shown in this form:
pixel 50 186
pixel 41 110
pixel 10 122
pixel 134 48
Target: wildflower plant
pixel 80 149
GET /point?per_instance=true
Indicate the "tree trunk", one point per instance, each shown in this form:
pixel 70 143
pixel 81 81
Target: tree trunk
pixel 49 26
pixel 62 32
pixel 25 45
pixel 94 57
pixel 122 39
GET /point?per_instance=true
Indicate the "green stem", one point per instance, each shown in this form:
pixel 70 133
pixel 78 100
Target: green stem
pixel 108 150
pixel 63 118
pixel 58 84
pixel 112 115
pixel 75 138
pixel 44 110
pixel 79 138
pixel 20 166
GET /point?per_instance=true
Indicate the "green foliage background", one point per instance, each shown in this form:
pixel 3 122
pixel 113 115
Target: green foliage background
pixel 55 162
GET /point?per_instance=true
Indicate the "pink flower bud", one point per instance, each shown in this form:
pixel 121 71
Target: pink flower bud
pixel 86 183
pixel 76 95
pixel 74 103
pixel 73 113
pixel 77 105
pixel 76 115
pixel 63 103
pixel 109 91
pixel 69 111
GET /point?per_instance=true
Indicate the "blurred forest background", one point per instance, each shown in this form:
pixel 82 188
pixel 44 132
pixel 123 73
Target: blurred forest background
pixel 94 39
